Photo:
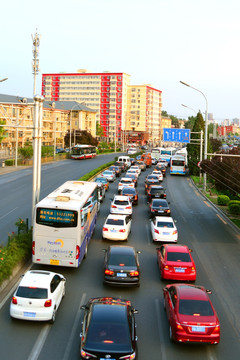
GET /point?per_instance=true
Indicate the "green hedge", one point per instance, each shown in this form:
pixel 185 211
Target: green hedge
pixel 223 200
pixel 234 207
pixel 94 172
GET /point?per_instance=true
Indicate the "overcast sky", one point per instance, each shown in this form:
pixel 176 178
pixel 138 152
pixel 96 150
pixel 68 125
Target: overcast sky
pixel 157 42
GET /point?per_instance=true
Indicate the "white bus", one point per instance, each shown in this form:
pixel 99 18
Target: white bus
pixel 178 165
pixel 63 224
pixel 163 153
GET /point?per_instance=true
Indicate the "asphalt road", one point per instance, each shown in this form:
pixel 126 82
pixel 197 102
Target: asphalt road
pixel 216 253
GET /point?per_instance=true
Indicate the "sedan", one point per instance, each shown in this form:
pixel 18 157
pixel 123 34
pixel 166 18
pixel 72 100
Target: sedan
pixel 109 175
pixel 121 266
pixel 176 263
pixel 117 227
pixel 38 296
pixel 134 172
pixel 142 165
pixel 134 178
pixel 121 205
pixel 156 192
pixel 162 168
pixel 108 330
pixel 158 173
pixel 163 228
pixel 115 169
pixel 104 181
pixel 151 180
pixel 159 207
pixel 191 315
pixel 125 182
pixel 132 193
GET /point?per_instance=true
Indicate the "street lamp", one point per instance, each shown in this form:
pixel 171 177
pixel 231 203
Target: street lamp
pixel 3 79
pixel 189 108
pixel 205 132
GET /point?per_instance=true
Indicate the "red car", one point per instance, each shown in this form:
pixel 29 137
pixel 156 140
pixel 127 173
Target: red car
pixel 176 263
pixel 191 315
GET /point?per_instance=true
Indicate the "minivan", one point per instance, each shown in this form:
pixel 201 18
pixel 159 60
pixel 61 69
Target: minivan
pixel 125 159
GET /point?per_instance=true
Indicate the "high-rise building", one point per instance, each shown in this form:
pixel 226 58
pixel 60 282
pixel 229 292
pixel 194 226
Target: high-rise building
pixel 104 92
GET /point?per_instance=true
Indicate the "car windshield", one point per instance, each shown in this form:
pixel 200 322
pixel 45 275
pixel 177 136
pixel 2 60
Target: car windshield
pixel 111 333
pixel 159 203
pixel 152 177
pixel 129 191
pixel 178 256
pixel 121 260
pixel 195 307
pixel 165 224
pixel 115 222
pixel 121 202
pixel 32 292
pixel 156 191
pixel 107 173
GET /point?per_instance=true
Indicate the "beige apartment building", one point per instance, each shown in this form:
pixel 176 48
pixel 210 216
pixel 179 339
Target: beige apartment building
pixel 59 118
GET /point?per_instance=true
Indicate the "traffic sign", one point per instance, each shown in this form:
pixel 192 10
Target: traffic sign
pixel 176 135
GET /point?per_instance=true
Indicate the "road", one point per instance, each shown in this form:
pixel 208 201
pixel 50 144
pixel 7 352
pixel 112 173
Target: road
pixel 216 253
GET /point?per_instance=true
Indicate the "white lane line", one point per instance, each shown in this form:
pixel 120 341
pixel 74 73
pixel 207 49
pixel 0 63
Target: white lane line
pixel 39 343
pixel 210 353
pixel 74 328
pixel 148 236
pixel 160 331
pixel 8 213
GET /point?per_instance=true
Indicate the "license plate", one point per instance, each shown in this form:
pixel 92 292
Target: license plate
pixel 121 275
pixel 166 233
pixel 179 270
pixel 29 314
pixel 113 230
pixel 198 329
pixel 157 195
pixel 121 208
pixel 54 262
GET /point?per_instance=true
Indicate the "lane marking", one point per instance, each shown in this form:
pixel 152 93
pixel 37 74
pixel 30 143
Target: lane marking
pixel 160 331
pixel 74 328
pixel 148 236
pixel 39 343
pixel 225 223
pixel 8 213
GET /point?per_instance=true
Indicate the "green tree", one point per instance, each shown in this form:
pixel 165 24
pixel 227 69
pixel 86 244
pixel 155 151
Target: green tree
pixel 99 130
pixel 2 131
pixel 26 152
pixel 194 149
pixel 190 122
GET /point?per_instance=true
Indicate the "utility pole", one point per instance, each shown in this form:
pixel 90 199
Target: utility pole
pixel 35 62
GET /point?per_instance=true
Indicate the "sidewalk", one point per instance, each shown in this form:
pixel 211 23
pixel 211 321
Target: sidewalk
pixel 9 169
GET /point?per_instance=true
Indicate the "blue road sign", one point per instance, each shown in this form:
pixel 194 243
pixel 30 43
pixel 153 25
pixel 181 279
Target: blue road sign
pixel 176 135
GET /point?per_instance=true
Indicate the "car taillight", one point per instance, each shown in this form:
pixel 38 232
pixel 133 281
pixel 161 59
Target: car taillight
pixel 14 300
pixel 77 252
pixel 33 248
pixel 109 272
pixel 114 206
pixel 174 232
pixel 179 327
pixel 128 357
pixel 48 303
pixel 193 269
pixel 128 207
pixel 86 355
pixel 134 273
pixel 105 229
pixel 156 231
pixel 122 230
pixel 166 267
pixel 216 329
pixel 164 196
pixel 167 211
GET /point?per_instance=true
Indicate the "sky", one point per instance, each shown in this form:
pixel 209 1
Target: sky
pixel 157 42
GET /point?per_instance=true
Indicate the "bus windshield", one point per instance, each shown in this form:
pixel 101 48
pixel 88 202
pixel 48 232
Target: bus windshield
pixel 56 217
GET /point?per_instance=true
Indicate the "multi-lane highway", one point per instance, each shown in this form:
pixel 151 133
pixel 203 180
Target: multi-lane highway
pixel 216 252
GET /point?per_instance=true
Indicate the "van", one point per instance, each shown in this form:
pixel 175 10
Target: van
pixel 125 160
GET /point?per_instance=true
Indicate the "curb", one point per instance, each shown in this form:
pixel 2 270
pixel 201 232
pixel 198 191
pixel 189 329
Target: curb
pixel 235 227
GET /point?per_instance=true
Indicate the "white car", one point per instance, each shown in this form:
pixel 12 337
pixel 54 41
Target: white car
pixel 38 296
pixel 125 182
pixel 133 171
pixel 163 228
pixel 109 175
pixel 158 173
pixel 117 227
pixel 135 167
pixel 121 205
pixel 163 162
pixel 132 151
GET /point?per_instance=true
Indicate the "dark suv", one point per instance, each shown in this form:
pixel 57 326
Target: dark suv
pixel 108 329
pixel 156 191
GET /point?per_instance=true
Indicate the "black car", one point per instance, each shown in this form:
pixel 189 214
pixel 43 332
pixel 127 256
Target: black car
pixel 159 207
pixel 162 168
pixel 108 330
pixel 156 191
pixel 121 266
pixel 151 180
pixel 132 193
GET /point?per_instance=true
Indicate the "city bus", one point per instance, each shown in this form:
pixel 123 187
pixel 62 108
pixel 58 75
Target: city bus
pixel 163 153
pixel 178 165
pixel 63 224
pixel 80 152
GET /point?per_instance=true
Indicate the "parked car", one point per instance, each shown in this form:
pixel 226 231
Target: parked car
pixel 163 228
pixel 131 193
pixel 38 296
pixel 109 175
pixel 125 181
pixel 191 315
pixel 121 266
pixel 176 263
pixel 103 181
pixel 156 191
pixel 121 205
pixel 117 227
pixel 159 207
pixel 108 328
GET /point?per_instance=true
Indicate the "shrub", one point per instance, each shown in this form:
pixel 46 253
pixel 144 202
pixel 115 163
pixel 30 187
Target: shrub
pixel 223 200
pixel 95 171
pixel 234 208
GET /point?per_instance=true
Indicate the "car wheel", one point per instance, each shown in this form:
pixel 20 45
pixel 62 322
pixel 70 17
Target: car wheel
pixel 53 316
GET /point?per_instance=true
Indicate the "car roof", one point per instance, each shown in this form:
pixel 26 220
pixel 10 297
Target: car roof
pixel 121 249
pixel 164 218
pixel 176 248
pixel 116 216
pixel 126 179
pixel 38 278
pixel 131 189
pixel 156 187
pixel 193 292
pixel 121 197
pixel 160 201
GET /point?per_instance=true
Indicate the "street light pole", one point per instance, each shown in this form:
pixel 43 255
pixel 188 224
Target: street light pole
pixel 3 79
pixel 205 132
